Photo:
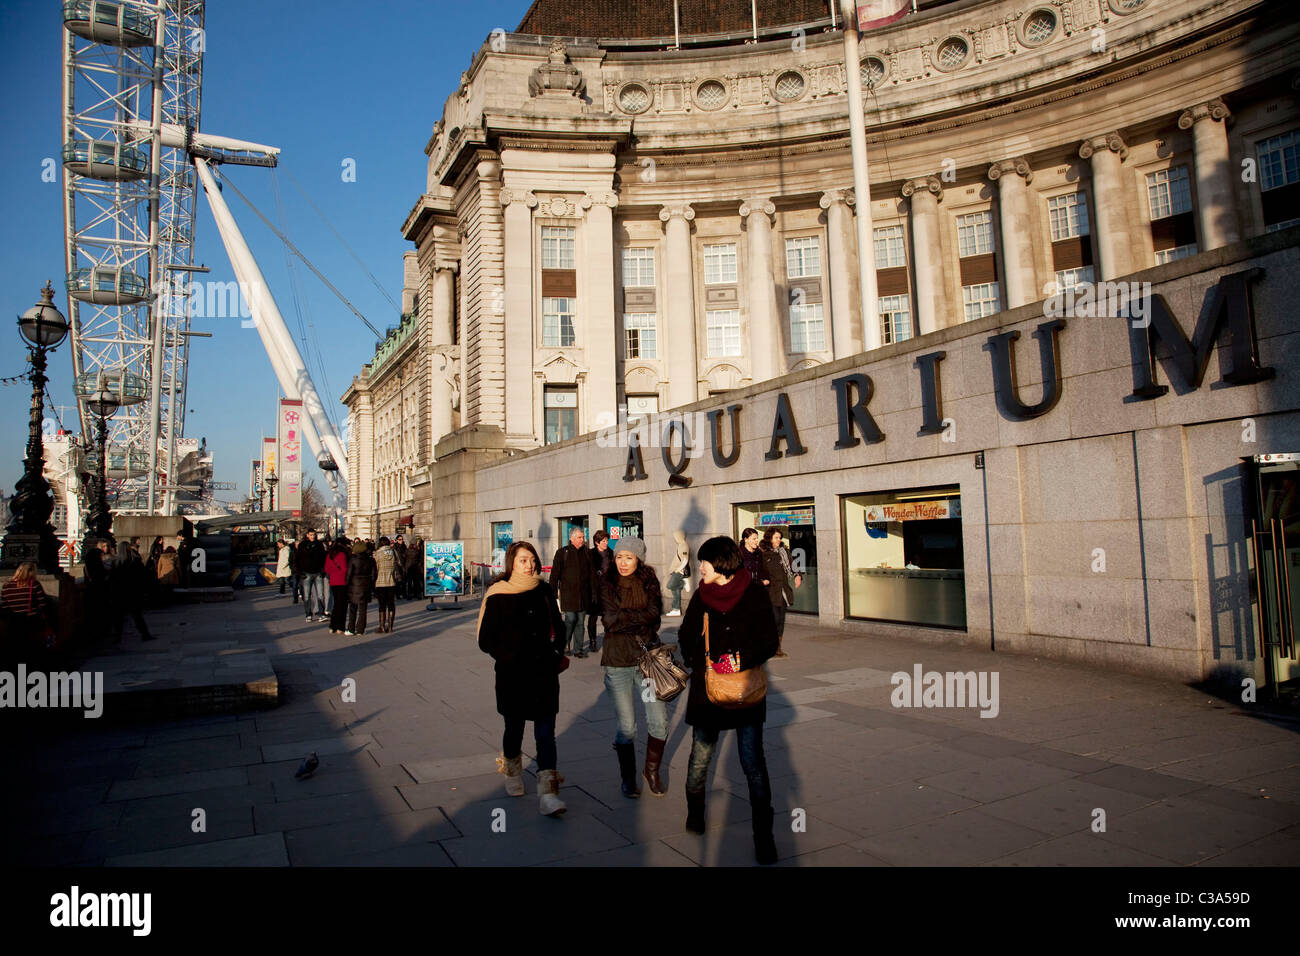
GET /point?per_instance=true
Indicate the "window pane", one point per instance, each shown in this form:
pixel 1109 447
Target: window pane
pixel 1178 252
pixel 723 332
pixel 1072 278
pixel 1279 160
pixel 638 267
pixel 979 300
pixel 975 234
pixel 1169 193
pixel 1068 216
pixel 557 247
pixel 720 263
pixel 639 332
pixel 803 257
pixel 557 323
pixel 807 328
pixel 890 253
pixel 895 318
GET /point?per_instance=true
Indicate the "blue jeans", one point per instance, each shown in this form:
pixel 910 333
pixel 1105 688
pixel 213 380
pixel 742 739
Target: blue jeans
pixel 313 594
pixel 623 684
pixel 749 740
pixel 574 622
pixel 512 740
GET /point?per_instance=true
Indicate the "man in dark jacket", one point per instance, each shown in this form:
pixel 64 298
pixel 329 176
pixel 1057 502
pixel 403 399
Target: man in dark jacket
pixel 601 557
pixel 414 580
pixel 310 564
pixel 573 580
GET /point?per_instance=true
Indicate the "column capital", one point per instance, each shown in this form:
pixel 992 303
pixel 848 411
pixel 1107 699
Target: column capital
pixel 511 196
pixel 923 184
pixel 1214 109
pixel 756 206
pixel 841 194
pixel 446 264
pixel 599 198
pixel 1017 165
pixel 1111 141
pixel 680 210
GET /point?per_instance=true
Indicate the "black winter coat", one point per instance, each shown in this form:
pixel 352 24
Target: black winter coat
pixel 779 591
pixel 361 578
pixel 572 579
pixel 749 628
pixel 626 629
pixel 524 633
pixel 310 557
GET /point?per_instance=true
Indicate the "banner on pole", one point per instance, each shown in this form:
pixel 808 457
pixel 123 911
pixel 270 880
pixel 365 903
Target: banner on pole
pixel 874 14
pixel 289 431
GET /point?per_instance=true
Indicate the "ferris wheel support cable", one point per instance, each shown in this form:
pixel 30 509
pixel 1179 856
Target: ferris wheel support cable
pixel 280 348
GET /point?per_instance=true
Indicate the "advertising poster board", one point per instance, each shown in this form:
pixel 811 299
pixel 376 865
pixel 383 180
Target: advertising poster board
pixel 444 568
pixel 289 431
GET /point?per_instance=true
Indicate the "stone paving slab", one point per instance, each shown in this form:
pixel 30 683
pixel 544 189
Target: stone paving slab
pixel 407 774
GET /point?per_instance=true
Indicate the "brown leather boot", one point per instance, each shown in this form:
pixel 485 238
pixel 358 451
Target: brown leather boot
pixel 654 755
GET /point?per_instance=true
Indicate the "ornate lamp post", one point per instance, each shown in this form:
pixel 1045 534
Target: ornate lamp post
pixel 102 403
pixel 261 497
pixel 271 481
pixel 30 534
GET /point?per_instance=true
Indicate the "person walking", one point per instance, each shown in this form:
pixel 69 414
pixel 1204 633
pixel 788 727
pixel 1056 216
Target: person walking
pixel 733 611
pixel 98 602
pixel 284 566
pixel 752 556
pixel 573 582
pixel 679 572
pixel 386 571
pixel 311 565
pixel 361 579
pixel 413 580
pixel 126 584
pixel 632 605
pixel 777 569
pixel 27 615
pixel 601 559
pixel 336 572
pixel 167 572
pixel 520 626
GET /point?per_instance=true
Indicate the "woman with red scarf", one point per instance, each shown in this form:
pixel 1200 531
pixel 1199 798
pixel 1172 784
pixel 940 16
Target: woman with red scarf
pixel 742 635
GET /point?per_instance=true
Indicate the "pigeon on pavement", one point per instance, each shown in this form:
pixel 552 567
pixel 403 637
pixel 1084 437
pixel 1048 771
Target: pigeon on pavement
pixel 308 767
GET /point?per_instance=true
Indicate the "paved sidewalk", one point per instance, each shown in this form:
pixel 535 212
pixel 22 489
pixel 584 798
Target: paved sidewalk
pixel 407 773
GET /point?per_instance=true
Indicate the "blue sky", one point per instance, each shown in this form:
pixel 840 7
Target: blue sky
pixel 325 82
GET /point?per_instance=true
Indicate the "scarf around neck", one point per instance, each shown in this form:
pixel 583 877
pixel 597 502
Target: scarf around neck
pixel 631 591
pixel 724 597
pixel 517 584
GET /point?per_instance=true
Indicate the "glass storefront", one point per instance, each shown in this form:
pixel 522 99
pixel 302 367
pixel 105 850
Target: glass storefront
pixel 568 524
pixel 797 520
pixel 903 557
pixel 629 524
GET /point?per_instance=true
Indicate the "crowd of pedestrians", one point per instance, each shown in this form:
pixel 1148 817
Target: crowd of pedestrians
pixel 733 624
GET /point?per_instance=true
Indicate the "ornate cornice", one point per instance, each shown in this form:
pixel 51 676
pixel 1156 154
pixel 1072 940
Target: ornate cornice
pixel 511 196
pixel 1214 109
pixel 600 198
pixel 1107 141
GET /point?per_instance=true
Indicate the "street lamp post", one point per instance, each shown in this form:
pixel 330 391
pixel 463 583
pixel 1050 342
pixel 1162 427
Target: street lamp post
pixel 102 403
pixel 30 534
pixel 271 482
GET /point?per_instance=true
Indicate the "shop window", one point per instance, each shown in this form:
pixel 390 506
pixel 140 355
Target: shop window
pixel 797 521
pixel 629 524
pixel 903 557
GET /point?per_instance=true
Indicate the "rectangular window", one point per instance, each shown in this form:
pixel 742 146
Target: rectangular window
pixel 1174 254
pixel 904 557
pixel 557 247
pixel 889 247
pixel 557 323
pixel 1169 192
pixel 723 332
pixel 641 406
pixel 1279 161
pixel 720 263
pixel 803 257
pixel 639 335
pixel 1072 278
pixel 638 268
pixel 1067 216
pixel 807 328
pixel 979 300
pixel 561 407
pixel 895 318
pixel 975 234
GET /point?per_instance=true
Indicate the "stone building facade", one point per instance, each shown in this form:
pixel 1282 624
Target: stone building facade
pixel 618 226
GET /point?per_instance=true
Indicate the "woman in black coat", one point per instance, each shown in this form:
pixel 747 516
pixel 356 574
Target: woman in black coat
pixel 361 583
pixel 740 623
pixel 520 626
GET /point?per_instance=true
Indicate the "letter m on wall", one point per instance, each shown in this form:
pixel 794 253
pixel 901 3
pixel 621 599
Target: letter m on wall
pixel 1228 303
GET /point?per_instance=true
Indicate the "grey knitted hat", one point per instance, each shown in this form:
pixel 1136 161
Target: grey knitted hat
pixel 635 545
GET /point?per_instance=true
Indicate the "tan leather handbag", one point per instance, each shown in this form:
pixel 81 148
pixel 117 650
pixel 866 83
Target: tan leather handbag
pixel 733 691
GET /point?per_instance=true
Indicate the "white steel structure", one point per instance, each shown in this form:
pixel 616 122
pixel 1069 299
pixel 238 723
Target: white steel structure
pixel 132 95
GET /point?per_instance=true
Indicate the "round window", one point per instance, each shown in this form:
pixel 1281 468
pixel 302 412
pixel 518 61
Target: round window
pixel 1126 6
pixel 789 85
pixel 710 95
pixel 1038 27
pixel 951 54
pixel 633 98
pixel 873 71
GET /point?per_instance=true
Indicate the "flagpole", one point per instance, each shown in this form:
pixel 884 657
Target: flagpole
pixel 861 182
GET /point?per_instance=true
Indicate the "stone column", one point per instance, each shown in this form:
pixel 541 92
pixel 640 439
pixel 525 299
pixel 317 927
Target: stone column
pixel 1106 153
pixel 1013 177
pixel 767 348
pixel 845 339
pixel 444 351
pixel 924 196
pixel 517 301
pixel 597 303
pixel 678 346
pixel 1215 208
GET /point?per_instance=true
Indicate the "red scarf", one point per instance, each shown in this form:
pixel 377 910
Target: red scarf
pixel 724 597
